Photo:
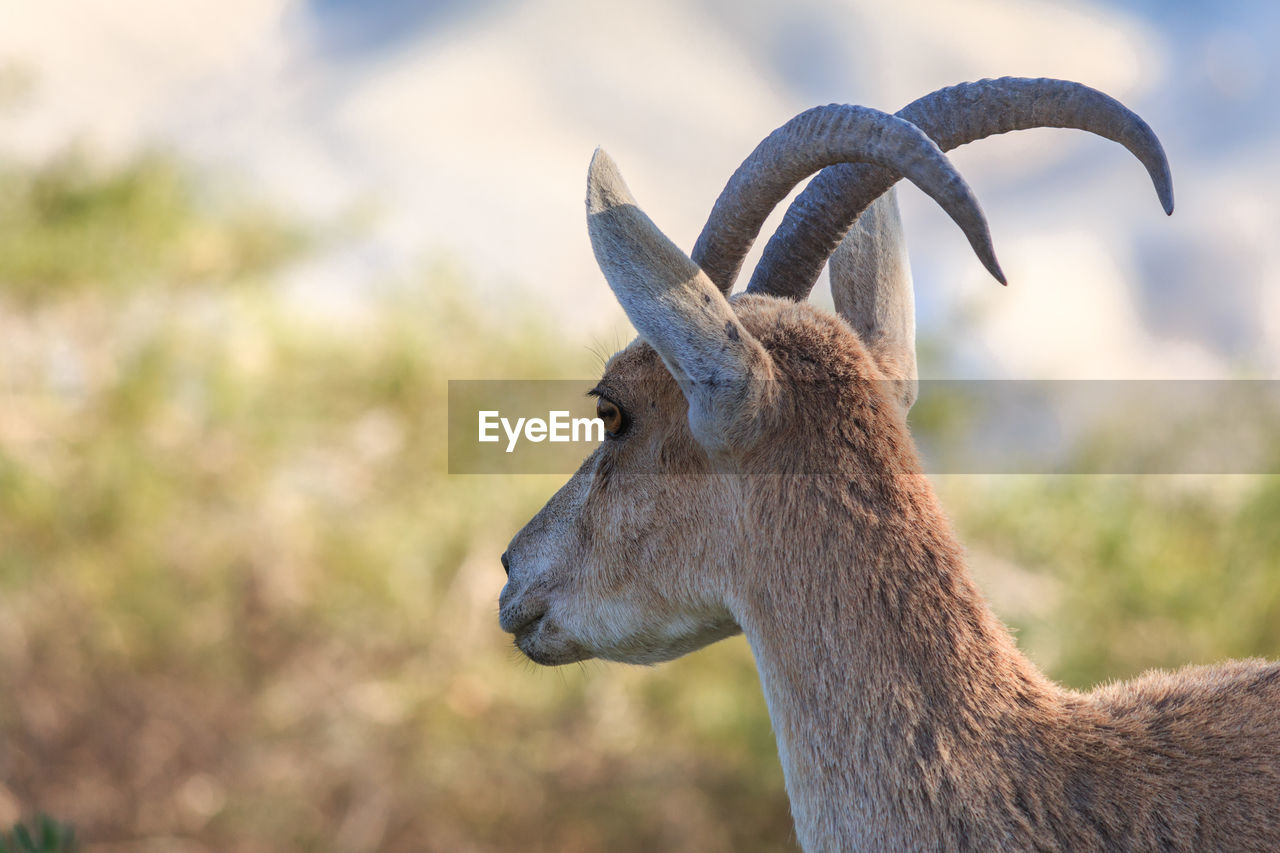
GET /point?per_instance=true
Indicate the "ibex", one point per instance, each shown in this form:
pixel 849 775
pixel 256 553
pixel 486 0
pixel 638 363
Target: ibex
pixel 758 476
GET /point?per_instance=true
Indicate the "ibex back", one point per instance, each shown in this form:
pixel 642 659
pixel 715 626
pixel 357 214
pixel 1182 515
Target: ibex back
pixel 758 476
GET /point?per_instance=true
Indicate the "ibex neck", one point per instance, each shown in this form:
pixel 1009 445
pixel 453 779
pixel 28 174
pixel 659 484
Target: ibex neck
pixel 893 689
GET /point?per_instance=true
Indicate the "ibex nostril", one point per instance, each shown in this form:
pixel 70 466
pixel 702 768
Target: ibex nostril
pixel 506 565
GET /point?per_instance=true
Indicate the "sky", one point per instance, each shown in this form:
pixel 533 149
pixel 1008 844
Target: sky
pixel 462 131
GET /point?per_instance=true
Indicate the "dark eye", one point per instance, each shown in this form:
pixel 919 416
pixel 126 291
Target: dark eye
pixel 614 420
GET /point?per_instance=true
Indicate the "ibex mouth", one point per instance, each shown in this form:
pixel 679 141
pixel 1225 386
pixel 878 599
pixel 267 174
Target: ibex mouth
pixel 542 642
pixel 518 614
pixel 525 642
pixel 528 628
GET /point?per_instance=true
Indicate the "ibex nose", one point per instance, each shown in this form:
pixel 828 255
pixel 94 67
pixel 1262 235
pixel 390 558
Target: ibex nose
pixel 506 565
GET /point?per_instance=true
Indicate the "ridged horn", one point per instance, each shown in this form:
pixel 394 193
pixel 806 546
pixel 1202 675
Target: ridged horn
pixel 818 138
pixel 817 220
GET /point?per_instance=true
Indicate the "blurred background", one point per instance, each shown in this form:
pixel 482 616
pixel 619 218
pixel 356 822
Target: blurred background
pixel 245 244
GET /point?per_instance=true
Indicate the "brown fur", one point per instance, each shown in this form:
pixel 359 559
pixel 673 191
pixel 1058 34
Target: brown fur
pixel 906 718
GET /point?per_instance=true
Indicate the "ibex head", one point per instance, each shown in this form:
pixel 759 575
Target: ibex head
pixel 645 554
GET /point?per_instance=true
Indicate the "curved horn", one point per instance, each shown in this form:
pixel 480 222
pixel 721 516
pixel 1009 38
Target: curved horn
pixel 821 137
pixel 823 213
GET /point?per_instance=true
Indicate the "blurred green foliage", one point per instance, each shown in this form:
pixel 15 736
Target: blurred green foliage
pixel 48 836
pixel 242 607
pixel 1141 572
pixel 73 225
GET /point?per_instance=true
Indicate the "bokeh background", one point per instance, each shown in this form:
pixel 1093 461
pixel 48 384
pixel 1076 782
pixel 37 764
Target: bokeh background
pixel 244 245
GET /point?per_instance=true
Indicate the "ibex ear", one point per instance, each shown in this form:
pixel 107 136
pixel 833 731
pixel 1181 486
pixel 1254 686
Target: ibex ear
pixel 871 285
pixel 720 367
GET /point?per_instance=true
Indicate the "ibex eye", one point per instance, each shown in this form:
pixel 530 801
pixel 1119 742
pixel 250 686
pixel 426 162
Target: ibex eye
pixel 614 419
